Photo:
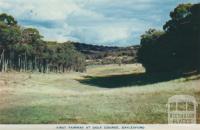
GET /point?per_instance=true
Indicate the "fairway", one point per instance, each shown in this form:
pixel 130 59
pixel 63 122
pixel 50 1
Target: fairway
pixel 103 94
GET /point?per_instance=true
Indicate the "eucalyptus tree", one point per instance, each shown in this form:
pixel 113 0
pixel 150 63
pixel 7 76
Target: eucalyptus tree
pixel 22 49
pixel 178 47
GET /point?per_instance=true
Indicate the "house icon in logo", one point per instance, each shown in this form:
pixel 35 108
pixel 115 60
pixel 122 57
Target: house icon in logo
pixel 182 109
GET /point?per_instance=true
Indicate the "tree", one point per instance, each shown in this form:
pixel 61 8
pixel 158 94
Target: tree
pixel 178 47
pixel 178 16
pixel 22 49
pixel 8 19
pixel 31 36
pixel 149 53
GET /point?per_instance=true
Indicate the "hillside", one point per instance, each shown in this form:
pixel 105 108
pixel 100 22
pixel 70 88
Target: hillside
pixel 96 54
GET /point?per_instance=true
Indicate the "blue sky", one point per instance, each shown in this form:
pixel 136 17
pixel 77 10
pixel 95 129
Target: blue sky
pixel 102 22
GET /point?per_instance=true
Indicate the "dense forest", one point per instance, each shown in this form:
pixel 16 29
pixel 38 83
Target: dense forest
pixel 177 47
pixel 22 49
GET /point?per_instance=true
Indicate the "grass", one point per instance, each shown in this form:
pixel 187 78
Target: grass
pixel 105 94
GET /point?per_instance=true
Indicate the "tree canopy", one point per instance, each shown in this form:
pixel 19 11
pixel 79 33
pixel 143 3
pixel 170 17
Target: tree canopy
pixel 178 46
pixel 22 49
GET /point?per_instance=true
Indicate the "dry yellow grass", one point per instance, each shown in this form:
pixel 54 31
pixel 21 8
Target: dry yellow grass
pixel 83 98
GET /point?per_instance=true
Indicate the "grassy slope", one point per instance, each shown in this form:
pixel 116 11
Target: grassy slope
pixel 63 98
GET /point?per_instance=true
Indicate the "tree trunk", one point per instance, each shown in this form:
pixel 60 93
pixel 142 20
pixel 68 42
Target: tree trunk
pixel 1 61
pixel 198 57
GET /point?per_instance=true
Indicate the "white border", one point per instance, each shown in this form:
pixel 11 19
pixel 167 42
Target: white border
pixel 100 127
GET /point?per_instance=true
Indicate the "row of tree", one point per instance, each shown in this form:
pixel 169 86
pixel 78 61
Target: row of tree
pixel 178 46
pixel 22 49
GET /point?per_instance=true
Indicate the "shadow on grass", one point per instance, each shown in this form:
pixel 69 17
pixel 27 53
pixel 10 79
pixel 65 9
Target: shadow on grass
pixel 125 80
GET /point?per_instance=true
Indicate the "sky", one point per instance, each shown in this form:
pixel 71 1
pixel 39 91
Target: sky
pixel 99 22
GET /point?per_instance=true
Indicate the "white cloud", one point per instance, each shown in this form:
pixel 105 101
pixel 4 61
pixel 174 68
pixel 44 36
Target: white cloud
pixel 107 22
pixel 41 9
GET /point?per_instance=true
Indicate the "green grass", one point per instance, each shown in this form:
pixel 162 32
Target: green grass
pixel 105 94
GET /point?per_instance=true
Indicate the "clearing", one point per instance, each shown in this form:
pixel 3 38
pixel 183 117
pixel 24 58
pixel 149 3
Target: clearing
pixel 104 94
